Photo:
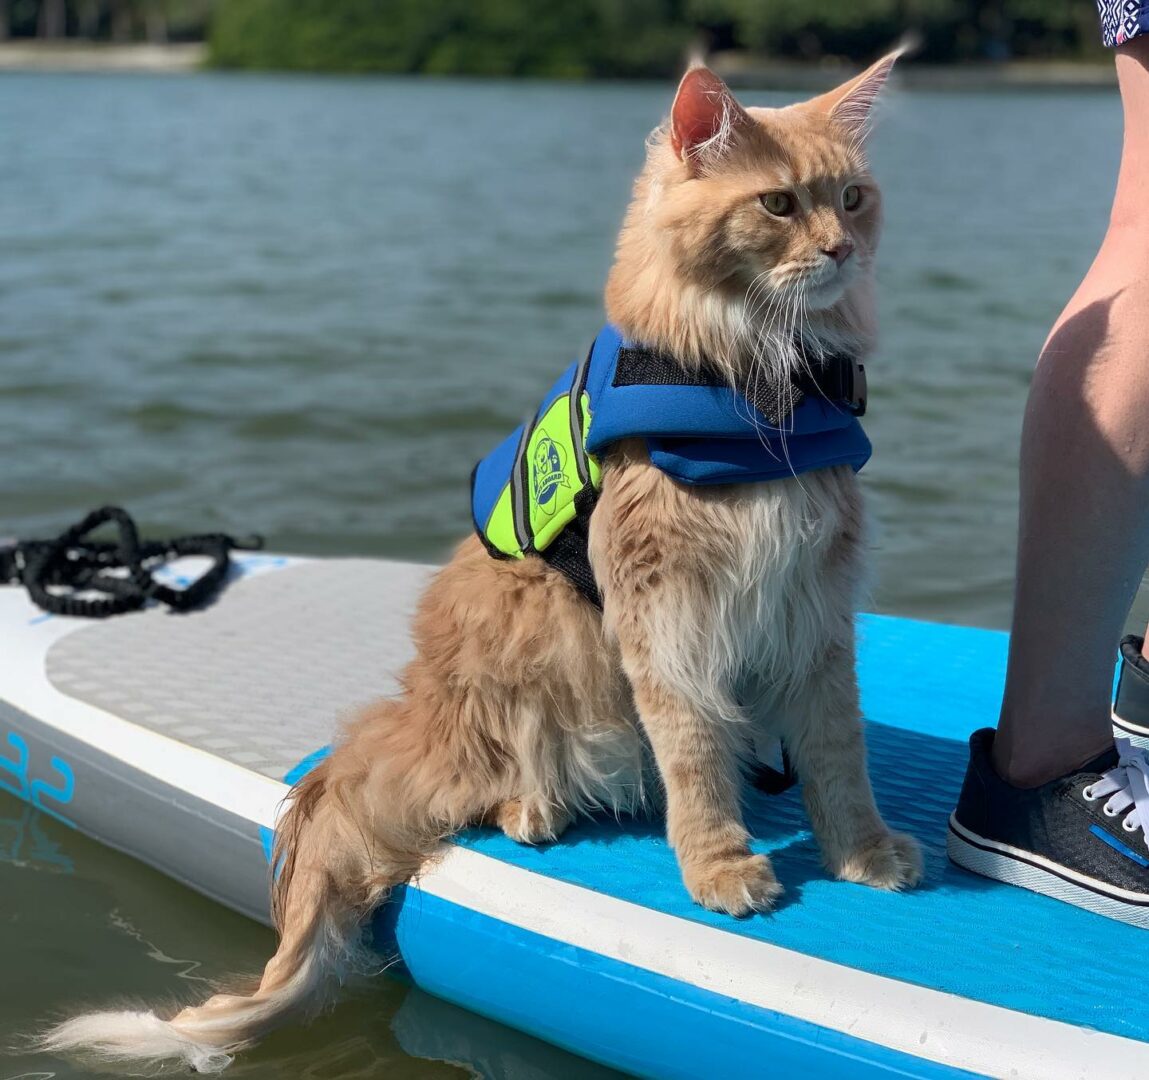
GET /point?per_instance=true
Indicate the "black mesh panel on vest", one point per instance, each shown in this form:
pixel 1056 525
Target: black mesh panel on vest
pixel 567 552
pixel 831 378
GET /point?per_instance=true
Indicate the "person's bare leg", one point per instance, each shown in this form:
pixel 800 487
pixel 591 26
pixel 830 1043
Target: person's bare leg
pixel 1084 532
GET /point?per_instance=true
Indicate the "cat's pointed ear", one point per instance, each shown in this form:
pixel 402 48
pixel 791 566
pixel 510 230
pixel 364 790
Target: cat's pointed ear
pixel 705 117
pixel 851 104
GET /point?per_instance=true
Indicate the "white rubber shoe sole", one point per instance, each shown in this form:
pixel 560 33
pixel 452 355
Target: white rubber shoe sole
pixel 1136 734
pixel 992 859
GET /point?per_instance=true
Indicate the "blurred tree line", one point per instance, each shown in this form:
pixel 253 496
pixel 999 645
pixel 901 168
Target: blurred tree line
pixel 570 38
pixel 110 20
pixel 628 37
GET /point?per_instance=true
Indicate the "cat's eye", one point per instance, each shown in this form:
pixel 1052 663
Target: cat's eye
pixel 779 203
pixel 851 197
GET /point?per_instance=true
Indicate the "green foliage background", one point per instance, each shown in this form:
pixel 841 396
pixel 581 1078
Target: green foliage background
pixel 563 38
pixel 571 38
pixel 586 38
pixel 181 20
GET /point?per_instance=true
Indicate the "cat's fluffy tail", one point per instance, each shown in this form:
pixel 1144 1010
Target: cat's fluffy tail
pixel 203 1038
pixel 326 884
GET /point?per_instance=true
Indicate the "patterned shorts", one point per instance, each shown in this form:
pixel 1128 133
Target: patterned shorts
pixel 1122 20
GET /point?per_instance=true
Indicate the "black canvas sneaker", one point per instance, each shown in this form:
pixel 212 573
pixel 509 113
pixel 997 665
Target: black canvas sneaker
pixel 1081 838
pixel 1131 702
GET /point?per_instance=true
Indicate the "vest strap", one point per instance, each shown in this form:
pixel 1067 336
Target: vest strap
pixel 837 378
pixel 568 552
pixel 518 487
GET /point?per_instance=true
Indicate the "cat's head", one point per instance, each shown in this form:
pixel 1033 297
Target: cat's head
pixel 751 214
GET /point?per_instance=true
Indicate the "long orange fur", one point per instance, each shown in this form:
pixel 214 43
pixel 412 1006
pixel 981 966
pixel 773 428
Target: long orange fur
pixel 728 611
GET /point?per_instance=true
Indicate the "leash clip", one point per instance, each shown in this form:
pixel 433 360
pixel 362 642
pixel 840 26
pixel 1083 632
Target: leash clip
pixel 252 542
pixel 12 560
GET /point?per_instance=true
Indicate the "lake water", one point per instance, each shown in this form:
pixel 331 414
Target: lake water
pixel 304 307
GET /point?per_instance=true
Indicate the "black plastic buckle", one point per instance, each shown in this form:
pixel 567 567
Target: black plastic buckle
pixel 858 389
pixel 841 380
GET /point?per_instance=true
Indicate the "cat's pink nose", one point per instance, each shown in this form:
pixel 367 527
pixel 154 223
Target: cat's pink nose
pixel 840 252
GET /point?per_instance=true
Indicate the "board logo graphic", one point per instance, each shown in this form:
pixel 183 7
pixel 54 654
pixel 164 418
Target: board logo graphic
pixel 547 472
pixel 16 776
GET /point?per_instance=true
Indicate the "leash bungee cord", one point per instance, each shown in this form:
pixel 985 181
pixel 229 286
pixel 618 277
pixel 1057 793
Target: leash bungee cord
pixel 122 569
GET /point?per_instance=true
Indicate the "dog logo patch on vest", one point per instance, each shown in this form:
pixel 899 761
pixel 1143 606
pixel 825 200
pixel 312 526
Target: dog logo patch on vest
pixel 547 472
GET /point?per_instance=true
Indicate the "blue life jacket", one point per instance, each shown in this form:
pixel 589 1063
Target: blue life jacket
pixel 534 493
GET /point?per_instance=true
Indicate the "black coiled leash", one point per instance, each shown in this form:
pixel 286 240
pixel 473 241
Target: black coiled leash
pixel 121 569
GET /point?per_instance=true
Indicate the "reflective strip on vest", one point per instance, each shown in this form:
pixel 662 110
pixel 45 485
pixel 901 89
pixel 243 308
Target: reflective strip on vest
pixel 551 467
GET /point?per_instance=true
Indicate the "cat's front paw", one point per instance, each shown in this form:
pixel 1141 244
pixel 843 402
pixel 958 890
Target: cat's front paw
pixel 736 886
pixel 891 861
pixel 532 820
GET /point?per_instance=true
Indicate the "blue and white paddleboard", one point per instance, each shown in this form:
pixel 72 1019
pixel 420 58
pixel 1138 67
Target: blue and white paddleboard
pixel 173 737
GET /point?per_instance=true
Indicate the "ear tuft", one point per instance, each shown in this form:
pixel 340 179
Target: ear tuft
pixel 704 117
pixel 851 104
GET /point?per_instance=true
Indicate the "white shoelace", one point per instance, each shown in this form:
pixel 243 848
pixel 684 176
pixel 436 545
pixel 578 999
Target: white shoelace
pixel 1127 786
